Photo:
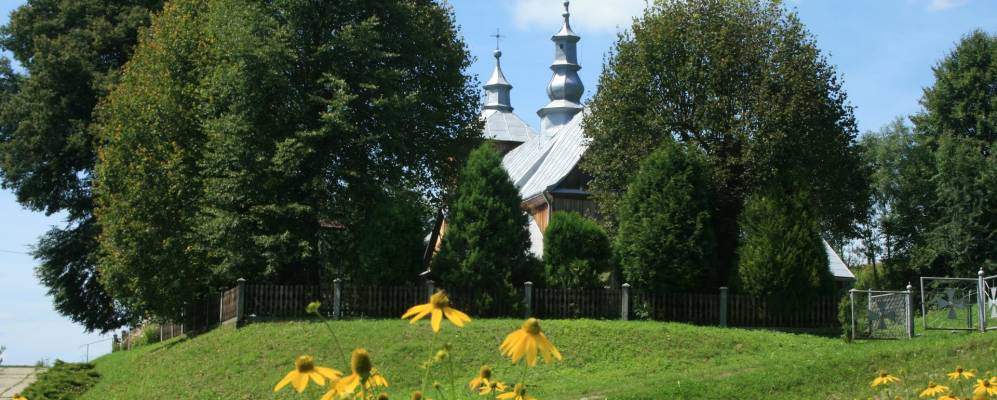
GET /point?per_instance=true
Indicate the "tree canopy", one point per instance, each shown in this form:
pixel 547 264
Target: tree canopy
pixel 743 82
pixel 933 183
pixel 71 52
pixel 238 127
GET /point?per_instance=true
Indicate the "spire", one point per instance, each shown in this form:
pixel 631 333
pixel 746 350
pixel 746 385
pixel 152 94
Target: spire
pixel 565 88
pixel 497 88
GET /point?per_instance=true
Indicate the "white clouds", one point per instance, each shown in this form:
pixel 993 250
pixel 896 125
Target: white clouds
pixel 589 15
pixel 939 5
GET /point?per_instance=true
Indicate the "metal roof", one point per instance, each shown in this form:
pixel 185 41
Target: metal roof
pixel 836 265
pixel 506 126
pixel 542 162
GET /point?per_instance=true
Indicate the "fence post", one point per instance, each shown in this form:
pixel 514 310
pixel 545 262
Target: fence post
pixel 528 298
pixel 625 302
pixel 981 300
pixel 161 332
pixel 430 288
pixel 723 306
pixel 910 311
pixel 851 303
pixel 240 302
pixel 337 299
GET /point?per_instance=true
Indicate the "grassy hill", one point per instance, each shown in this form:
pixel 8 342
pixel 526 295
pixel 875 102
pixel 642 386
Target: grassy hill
pixel 618 360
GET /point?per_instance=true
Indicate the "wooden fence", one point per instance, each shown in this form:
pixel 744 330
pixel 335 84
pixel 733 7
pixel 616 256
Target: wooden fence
pixel 247 302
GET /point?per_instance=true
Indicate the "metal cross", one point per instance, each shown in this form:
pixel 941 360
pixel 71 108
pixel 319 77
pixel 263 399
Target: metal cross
pixel 497 37
pixel 880 315
pixel 951 302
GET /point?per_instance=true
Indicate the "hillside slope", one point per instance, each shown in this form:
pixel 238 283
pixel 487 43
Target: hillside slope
pixel 618 360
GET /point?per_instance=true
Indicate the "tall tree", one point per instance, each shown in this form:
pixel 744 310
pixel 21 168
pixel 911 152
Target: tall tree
pixel 742 81
pixel 958 125
pixel 782 253
pixel 71 52
pixel 240 126
pixel 666 240
pixel 487 243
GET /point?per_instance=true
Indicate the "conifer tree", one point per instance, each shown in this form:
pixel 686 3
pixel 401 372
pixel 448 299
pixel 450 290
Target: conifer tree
pixel 486 245
pixel 781 254
pixel 576 251
pixel 665 239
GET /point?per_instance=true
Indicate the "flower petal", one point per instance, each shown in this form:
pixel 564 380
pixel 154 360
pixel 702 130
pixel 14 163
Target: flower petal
pixel 416 310
pixel 330 373
pixel 531 350
pixel 453 316
pixel 437 318
pixel 300 382
pixel 283 382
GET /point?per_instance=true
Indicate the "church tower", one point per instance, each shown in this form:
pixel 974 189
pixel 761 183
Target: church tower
pixel 565 88
pixel 497 88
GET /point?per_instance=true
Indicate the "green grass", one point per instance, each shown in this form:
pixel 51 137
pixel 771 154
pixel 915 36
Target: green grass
pixel 611 359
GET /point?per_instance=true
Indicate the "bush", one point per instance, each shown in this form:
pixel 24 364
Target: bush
pixel 576 251
pixel 487 243
pixel 64 381
pixel 782 254
pixel 665 240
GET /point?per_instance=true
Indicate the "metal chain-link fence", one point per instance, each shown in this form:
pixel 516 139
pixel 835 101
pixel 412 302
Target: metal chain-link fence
pixel 881 314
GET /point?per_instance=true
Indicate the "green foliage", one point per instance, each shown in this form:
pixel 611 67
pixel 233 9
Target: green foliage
pixel 72 52
pixel 665 239
pixel 239 127
pixel 962 237
pixel 64 381
pixel 743 82
pixel 486 245
pixel 743 363
pixel 961 101
pixel 576 251
pixel 781 254
pixel 933 187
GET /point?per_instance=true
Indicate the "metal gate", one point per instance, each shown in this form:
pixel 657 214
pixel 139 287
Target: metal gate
pixel 988 311
pixel 959 303
pixel 881 314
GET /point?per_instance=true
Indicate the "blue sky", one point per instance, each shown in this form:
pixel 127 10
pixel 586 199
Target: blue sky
pixel 884 50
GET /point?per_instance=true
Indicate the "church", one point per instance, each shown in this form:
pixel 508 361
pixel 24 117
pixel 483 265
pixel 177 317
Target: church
pixel 543 164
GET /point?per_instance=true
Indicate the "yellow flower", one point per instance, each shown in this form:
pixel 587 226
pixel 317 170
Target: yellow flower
pixel 363 372
pixel 382 396
pixel 960 373
pixel 313 307
pixel 934 389
pixel 526 341
pixel 417 395
pixel 304 368
pixel 883 379
pixel 484 376
pixel 948 397
pixel 986 387
pixel 492 386
pixel 19 397
pixel 438 306
pixel 518 393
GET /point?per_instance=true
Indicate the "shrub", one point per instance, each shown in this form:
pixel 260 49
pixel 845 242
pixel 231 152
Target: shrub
pixel 782 254
pixel 486 245
pixel 665 240
pixel 576 251
pixel 64 381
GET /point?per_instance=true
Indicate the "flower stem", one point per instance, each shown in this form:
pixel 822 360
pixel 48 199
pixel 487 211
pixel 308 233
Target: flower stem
pixel 425 375
pixel 335 339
